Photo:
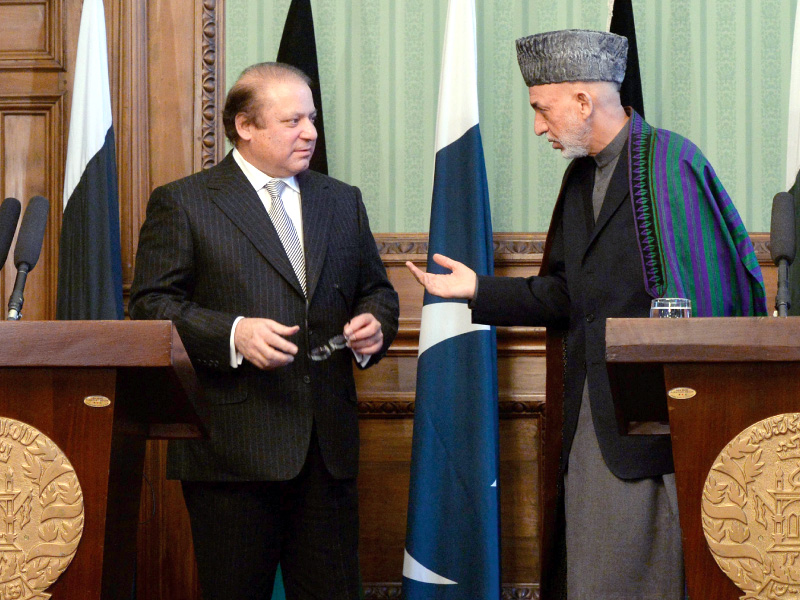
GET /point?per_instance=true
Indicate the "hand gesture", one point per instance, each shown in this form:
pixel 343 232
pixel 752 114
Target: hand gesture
pixel 263 342
pixel 460 283
pixel 364 334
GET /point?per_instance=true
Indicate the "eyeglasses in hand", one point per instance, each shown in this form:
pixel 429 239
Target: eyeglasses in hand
pixel 324 352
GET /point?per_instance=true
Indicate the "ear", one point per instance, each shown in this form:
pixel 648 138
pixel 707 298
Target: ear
pixel 585 103
pixel 243 127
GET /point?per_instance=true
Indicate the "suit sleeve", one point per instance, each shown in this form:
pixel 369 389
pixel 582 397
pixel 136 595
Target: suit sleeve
pixel 164 279
pixel 375 293
pixel 534 301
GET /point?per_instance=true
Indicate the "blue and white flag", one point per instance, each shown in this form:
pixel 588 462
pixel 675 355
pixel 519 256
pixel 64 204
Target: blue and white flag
pixel 453 535
pixel 90 263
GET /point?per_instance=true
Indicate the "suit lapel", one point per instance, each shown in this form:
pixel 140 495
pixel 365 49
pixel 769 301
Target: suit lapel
pixel 578 221
pixel 317 217
pixel 233 194
pixel 616 194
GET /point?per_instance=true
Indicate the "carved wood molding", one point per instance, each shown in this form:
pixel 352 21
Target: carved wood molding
pixel 520 591
pixel 212 83
pixel 761 244
pixel 401 405
pixel 513 247
pixel 393 591
pixel 396 248
pixel 131 127
pixel 511 341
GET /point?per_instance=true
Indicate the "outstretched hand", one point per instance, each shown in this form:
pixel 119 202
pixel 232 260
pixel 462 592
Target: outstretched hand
pixel 459 283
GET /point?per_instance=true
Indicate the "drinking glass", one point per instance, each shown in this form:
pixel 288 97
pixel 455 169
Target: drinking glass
pixel 671 308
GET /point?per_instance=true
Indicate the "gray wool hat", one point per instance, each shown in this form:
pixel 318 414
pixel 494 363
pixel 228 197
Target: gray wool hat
pixel 572 55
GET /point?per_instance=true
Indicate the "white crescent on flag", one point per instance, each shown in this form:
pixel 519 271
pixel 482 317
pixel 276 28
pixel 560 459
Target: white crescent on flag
pixel 413 570
pixel 444 320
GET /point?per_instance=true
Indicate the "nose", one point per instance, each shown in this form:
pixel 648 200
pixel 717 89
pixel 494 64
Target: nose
pixel 310 131
pixel 539 125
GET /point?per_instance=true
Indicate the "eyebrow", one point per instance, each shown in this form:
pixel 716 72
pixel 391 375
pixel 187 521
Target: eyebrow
pixel 298 115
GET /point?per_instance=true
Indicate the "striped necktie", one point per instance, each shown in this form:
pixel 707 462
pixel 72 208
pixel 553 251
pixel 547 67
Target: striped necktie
pixel 286 231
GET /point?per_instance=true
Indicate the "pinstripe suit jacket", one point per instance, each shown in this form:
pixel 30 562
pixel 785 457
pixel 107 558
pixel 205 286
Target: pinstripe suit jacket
pixel 208 253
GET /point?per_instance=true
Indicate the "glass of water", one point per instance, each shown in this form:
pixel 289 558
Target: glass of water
pixel 671 308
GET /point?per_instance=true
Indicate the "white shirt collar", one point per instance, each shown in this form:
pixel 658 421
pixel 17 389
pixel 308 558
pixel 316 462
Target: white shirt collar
pixel 257 178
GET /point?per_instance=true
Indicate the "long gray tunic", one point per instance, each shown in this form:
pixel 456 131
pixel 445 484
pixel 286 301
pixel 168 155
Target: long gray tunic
pixel 623 536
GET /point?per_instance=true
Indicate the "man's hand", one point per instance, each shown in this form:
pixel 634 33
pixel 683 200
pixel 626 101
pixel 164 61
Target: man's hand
pixel 364 334
pixel 458 284
pixel 263 342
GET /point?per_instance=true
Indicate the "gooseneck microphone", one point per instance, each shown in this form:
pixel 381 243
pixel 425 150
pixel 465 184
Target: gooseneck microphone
pixel 26 253
pixel 9 215
pixel 782 247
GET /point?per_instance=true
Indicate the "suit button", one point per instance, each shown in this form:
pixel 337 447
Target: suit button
pixel 306 379
pixel 589 318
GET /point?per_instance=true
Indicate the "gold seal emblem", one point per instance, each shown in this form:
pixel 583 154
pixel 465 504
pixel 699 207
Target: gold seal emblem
pixel 96 401
pixel 682 393
pixel 751 509
pixel 41 512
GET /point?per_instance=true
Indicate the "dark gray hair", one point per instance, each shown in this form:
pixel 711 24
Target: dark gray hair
pixel 247 97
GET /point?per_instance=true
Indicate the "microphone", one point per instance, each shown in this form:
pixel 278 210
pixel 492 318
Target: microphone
pixel 782 246
pixel 9 215
pixel 26 253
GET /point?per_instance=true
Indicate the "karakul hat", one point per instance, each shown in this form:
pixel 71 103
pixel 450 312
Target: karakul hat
pixel 572 55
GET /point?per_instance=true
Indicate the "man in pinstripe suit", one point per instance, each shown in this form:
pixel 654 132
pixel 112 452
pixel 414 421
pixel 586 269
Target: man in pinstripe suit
pixel 276 481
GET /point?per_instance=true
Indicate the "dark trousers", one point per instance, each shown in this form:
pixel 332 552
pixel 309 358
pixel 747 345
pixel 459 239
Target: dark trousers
pixel 242 530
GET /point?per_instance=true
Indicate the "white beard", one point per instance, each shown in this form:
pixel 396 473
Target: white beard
pixel 574 140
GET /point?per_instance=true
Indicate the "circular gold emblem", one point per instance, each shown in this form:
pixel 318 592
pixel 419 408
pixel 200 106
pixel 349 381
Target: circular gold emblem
pixel 41 512
pixel 96 401
pixel 682 393
pixel 751 509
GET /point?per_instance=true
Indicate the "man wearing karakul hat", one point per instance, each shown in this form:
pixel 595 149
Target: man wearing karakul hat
pixel 636 205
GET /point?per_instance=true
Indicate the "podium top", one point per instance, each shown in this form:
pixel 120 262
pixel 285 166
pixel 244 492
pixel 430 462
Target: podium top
pixel 158 405
pixel 703 339
pixel 90 344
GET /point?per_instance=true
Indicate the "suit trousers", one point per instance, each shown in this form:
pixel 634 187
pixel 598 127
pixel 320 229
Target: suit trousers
pixel 309 524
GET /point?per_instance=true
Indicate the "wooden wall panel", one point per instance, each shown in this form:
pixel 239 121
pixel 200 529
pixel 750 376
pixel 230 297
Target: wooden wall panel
pixel 31 34
pixel 23 29
pixel 31 127
pixel 32 131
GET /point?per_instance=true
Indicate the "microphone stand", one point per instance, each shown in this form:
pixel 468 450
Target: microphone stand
pixel 783 300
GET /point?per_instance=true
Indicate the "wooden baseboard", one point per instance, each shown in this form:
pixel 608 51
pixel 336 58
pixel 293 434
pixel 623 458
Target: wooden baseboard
pixel 393 591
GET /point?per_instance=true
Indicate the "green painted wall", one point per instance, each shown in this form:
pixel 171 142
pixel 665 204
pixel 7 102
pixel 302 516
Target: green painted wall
pixel 716 71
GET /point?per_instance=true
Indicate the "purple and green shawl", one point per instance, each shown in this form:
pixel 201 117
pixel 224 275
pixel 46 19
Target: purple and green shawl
pixel 691 238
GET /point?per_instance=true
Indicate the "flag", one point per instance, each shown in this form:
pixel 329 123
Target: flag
pixel 621 23
pixel 793 159
pixel 299 49
pixel 90 263
pixel 453 534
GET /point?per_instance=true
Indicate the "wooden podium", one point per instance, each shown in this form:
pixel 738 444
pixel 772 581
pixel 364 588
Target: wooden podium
pixel 98 390
pixel 742 369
